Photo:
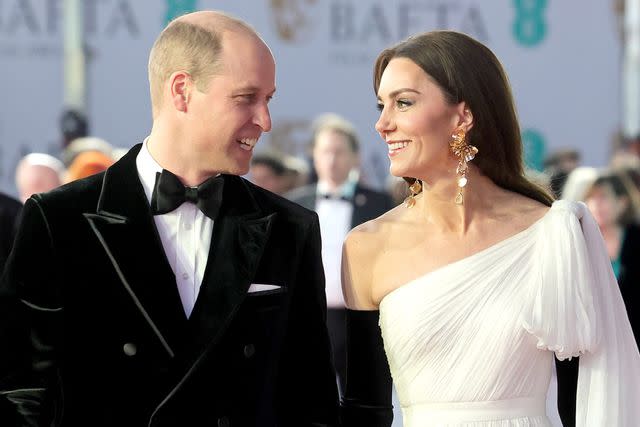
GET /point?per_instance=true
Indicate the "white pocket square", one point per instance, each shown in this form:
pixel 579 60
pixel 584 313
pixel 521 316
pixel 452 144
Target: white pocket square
pixel 261 287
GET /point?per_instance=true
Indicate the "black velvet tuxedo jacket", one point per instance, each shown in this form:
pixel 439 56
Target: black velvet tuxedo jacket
pixel 367 204
pixel 93 333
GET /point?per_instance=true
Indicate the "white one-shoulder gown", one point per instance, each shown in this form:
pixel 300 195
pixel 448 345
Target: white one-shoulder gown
pixel 471 344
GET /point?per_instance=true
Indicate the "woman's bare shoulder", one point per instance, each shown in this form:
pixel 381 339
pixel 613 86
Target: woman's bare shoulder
pixel 361 250
pixel 527 210
pixel 369 235
pixel 517 210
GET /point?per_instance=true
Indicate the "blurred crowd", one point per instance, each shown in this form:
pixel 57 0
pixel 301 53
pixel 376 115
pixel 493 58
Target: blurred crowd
pixel 42 172
pixel 330 180
pixel 332 163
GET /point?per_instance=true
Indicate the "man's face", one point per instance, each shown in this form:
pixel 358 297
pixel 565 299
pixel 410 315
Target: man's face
pixel 333 157
pixel 226 121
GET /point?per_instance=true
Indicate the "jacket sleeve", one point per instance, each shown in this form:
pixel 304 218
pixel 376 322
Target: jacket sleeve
pixel 308 389
pixel 30 324
pixel 367 399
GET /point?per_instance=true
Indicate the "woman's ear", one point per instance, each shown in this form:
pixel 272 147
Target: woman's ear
pixel 465 116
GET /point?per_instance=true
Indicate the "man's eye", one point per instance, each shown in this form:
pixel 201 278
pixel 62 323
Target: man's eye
pixel 247 97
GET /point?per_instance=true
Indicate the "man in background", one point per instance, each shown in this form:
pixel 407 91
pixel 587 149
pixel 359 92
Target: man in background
pixel 268 171
pixel 341 203
pixel 9 215
pixel 38 173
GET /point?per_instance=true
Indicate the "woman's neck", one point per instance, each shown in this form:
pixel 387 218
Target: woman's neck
pixel 437 202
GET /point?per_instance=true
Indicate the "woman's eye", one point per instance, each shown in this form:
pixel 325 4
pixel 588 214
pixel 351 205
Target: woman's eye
pixel 403 103
pixel 380 107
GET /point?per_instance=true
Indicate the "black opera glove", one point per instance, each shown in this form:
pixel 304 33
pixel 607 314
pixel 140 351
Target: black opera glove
pixel 367 398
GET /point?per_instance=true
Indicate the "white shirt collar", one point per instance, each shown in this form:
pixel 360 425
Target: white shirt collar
pixel 346 190
pixel 147 169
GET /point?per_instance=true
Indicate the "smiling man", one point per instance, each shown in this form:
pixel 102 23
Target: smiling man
pixel 168 291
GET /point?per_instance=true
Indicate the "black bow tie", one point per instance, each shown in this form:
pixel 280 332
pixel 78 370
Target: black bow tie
pixel 329 196
pixel 169 193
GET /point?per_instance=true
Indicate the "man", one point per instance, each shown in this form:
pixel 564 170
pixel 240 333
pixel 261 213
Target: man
pixel 341 203
pixel 268 171
pixel 38 173
pixel 9 214
pixel 168 291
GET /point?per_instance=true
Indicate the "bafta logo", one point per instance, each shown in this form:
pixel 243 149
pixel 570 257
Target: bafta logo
pixel 294 22
pixel 177 8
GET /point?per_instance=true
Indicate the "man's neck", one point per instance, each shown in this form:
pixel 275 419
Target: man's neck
pixel 331 186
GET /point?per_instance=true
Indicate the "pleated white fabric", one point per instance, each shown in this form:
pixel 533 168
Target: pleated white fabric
pixel 471 344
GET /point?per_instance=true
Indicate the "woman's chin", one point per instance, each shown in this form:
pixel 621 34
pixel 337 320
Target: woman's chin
pixel 399 172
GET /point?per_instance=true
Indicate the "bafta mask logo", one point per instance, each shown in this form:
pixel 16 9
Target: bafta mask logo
pixel 293 19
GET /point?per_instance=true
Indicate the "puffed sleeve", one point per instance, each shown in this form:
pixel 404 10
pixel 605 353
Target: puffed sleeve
pixel 577 310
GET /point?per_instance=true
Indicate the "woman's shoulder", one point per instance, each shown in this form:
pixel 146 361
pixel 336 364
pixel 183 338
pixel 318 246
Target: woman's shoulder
pixel 565 212
pixel 519 211
pixel 361 251
pixel 374 231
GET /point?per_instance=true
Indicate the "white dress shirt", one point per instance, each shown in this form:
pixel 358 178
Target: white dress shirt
pixel 185 234
pixel 335 214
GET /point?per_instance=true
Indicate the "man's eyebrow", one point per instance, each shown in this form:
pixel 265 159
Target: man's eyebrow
pixel 247 88
pixel 251 89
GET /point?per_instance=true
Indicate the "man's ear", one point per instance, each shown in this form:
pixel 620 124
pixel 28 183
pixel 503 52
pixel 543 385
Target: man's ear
pixel 180 87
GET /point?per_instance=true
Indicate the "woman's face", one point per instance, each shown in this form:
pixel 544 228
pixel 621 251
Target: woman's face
pixel 416 121
pixel 605 207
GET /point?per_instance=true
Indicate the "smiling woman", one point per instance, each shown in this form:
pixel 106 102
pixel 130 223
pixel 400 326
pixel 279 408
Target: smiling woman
pixel 435 74
pixel 464 294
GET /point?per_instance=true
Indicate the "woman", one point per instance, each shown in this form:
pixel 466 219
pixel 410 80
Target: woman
pixel 480 277
pixel 612 200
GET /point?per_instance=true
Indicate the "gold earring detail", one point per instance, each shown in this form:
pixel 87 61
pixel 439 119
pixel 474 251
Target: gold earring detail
pixel 465 153
pixel 415 190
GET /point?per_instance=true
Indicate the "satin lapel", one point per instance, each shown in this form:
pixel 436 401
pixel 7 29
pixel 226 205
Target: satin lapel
pixel 239 236
pixel 124 226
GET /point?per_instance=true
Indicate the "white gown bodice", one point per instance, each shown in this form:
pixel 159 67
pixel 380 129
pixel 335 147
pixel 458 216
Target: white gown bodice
pixel 471 344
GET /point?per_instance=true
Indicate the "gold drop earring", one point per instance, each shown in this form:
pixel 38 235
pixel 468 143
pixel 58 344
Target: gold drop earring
pixel 415 190
pixel 465 153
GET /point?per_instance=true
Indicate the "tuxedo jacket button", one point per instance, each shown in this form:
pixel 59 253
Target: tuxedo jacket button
pixel 130 349
pixel 249 350
pixel 224 422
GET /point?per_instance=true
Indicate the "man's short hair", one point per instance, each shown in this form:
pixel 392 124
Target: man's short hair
pixel 336 123
pixel 272 161
pixel 193 48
